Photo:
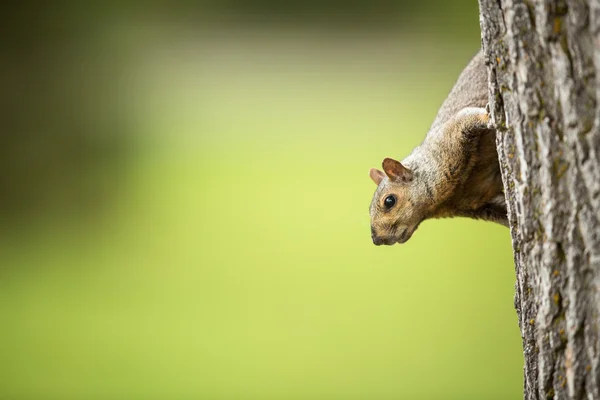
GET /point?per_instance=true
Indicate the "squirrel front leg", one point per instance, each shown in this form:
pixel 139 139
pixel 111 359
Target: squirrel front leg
pixel 471 122
pixel 456 146
pixel 474 167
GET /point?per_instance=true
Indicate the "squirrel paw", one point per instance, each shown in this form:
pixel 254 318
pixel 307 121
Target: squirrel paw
pixel 470 123
pixel 475 115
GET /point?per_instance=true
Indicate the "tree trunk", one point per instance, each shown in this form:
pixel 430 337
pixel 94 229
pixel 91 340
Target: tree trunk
pixel 543 60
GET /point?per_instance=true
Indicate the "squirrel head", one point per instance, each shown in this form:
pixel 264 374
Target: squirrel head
pixel 394 214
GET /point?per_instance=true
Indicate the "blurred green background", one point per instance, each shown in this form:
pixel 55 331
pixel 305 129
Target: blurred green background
pixel 184 200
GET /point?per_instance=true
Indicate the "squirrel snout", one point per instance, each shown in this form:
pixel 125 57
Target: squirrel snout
pixel 376 239
pixel 379 240
pixel 390 239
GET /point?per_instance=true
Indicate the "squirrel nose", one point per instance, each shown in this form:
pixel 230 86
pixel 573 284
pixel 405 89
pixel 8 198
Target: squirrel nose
pixel 377 241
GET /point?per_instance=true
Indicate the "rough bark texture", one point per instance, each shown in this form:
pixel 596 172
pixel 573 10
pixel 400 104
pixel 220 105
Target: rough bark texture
pixel 543 60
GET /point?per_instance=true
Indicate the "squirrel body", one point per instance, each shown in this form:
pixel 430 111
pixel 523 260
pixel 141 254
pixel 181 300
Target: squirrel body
pixel 453 172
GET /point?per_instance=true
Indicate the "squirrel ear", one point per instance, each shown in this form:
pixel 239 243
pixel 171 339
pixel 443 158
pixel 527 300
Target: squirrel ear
pixel 376 175
pixel 396 171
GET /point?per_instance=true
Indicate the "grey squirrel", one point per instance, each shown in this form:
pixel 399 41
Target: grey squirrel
pixel 453 172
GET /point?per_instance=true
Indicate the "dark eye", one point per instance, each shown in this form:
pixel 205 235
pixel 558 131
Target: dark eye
pixel 389 201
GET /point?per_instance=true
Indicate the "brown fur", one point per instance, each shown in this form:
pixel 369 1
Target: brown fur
pixel 454 172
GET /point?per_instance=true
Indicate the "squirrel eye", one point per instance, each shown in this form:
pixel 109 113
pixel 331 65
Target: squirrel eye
pixel 389 201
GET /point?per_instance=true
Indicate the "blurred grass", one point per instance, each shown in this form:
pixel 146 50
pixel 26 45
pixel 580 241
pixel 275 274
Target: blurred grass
pixel 237 262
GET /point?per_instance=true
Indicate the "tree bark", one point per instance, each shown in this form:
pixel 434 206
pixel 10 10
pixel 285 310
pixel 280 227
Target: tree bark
pixel 543 59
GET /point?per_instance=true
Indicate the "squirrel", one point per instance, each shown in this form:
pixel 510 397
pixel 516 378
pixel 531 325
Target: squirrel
pixel 453 172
